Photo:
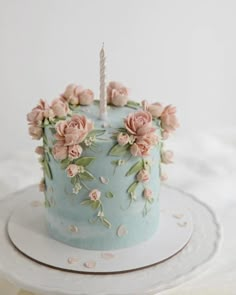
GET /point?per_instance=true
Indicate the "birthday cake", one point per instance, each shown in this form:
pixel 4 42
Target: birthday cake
pixel 102 165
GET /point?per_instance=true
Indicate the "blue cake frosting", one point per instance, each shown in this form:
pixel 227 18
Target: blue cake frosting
pixel 130 218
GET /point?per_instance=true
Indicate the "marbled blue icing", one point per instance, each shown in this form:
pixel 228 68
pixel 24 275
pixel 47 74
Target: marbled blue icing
pixel 67 210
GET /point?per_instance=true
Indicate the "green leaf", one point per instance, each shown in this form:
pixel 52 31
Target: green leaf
pixel 135 168
pixel 47 170
pixel 46 122
pixel 118 150
pixel 65 163
pixel 85 161
pixel 96 132
pixel 47 203
pixel 87 202
pixel 74 180
pixel 106 222
pixel 95 205
pixel 86 175
pixel 133 104
pixel 132 187
pixel 109 195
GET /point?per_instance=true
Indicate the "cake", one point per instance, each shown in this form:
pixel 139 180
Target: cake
pixel 102 177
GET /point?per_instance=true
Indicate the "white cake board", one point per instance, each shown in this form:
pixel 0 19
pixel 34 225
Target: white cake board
pixel 27 223
pixel 186 264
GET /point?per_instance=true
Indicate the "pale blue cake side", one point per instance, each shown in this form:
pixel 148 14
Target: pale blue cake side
pixel 131 220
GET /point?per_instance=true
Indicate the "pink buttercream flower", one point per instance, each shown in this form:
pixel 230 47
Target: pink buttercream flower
pixel 117 94
pixel 168 119
pixel 36 132
pixel 95 195
pixel 36 116
pixel 86 97
pixel 60 152
pixel 74 151
pixel 167 157
pixel 60 107
pixel 148 194
pixel 155 109
pixel 71 94
pixel 49 113
pixel 123 138
pixel 72 170
pixel 140 149
pixel 143 176
pixel 139 123
pixel 39 150
pixel 77 129
pixel 42 186
pixel 61 129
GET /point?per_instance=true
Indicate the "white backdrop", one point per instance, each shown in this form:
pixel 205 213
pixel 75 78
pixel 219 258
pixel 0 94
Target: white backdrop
pixel 180 52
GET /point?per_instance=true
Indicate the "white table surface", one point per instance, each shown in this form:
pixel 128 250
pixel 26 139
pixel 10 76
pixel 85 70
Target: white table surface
pixel 204 166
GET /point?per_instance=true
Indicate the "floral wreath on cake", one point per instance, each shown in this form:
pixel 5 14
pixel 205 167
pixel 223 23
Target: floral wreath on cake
pixel 75 133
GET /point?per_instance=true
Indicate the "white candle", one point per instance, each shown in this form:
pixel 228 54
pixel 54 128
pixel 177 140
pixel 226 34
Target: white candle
pixel 103 98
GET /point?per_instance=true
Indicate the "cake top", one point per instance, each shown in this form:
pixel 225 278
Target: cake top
pixel 134 127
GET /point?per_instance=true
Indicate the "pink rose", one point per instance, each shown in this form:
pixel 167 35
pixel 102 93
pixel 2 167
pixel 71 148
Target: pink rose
pixel 39 150
pixel 59 107
pixel 95 195
pixel 155 109
pixel 168 119
pixel 36 132
pixel 77 129
pixel 86 97
pixel 61 129
pixel 148 194
pixel 72 93
pixel 74 151
pixel 36 116
pixel 143 176
pixel 60 152
pixel 167 157
pixel 42 186
pixel 123 138
pixel 72 170
pixel 49 113
pixel 117 94
pixel 139 123
pixel 140 149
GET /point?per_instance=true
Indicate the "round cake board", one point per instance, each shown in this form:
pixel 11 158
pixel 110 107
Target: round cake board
pixel 27 230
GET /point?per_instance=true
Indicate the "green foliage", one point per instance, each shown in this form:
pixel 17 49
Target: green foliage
pixel 47 169
pixel 109 195
pixel 86 175
pixel 133 187
pixel 135 168
pixel 118 150
pixel 84 161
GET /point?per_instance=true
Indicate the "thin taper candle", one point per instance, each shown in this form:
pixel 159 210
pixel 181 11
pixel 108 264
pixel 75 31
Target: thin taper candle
pixel 103 98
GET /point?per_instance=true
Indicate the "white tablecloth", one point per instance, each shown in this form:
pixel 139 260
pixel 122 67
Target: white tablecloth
pixel 204 166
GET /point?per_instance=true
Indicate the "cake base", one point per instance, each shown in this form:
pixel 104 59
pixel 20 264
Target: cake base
pixel 27 230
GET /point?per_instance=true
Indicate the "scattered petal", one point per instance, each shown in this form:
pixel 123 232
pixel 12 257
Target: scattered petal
pixel 104 180
pixel 178 215
pixel 36 204
pixel 73 228
pixel 122 231
pixel 107 255
pixel 90 264
pixel 72 260
pixel 182 224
